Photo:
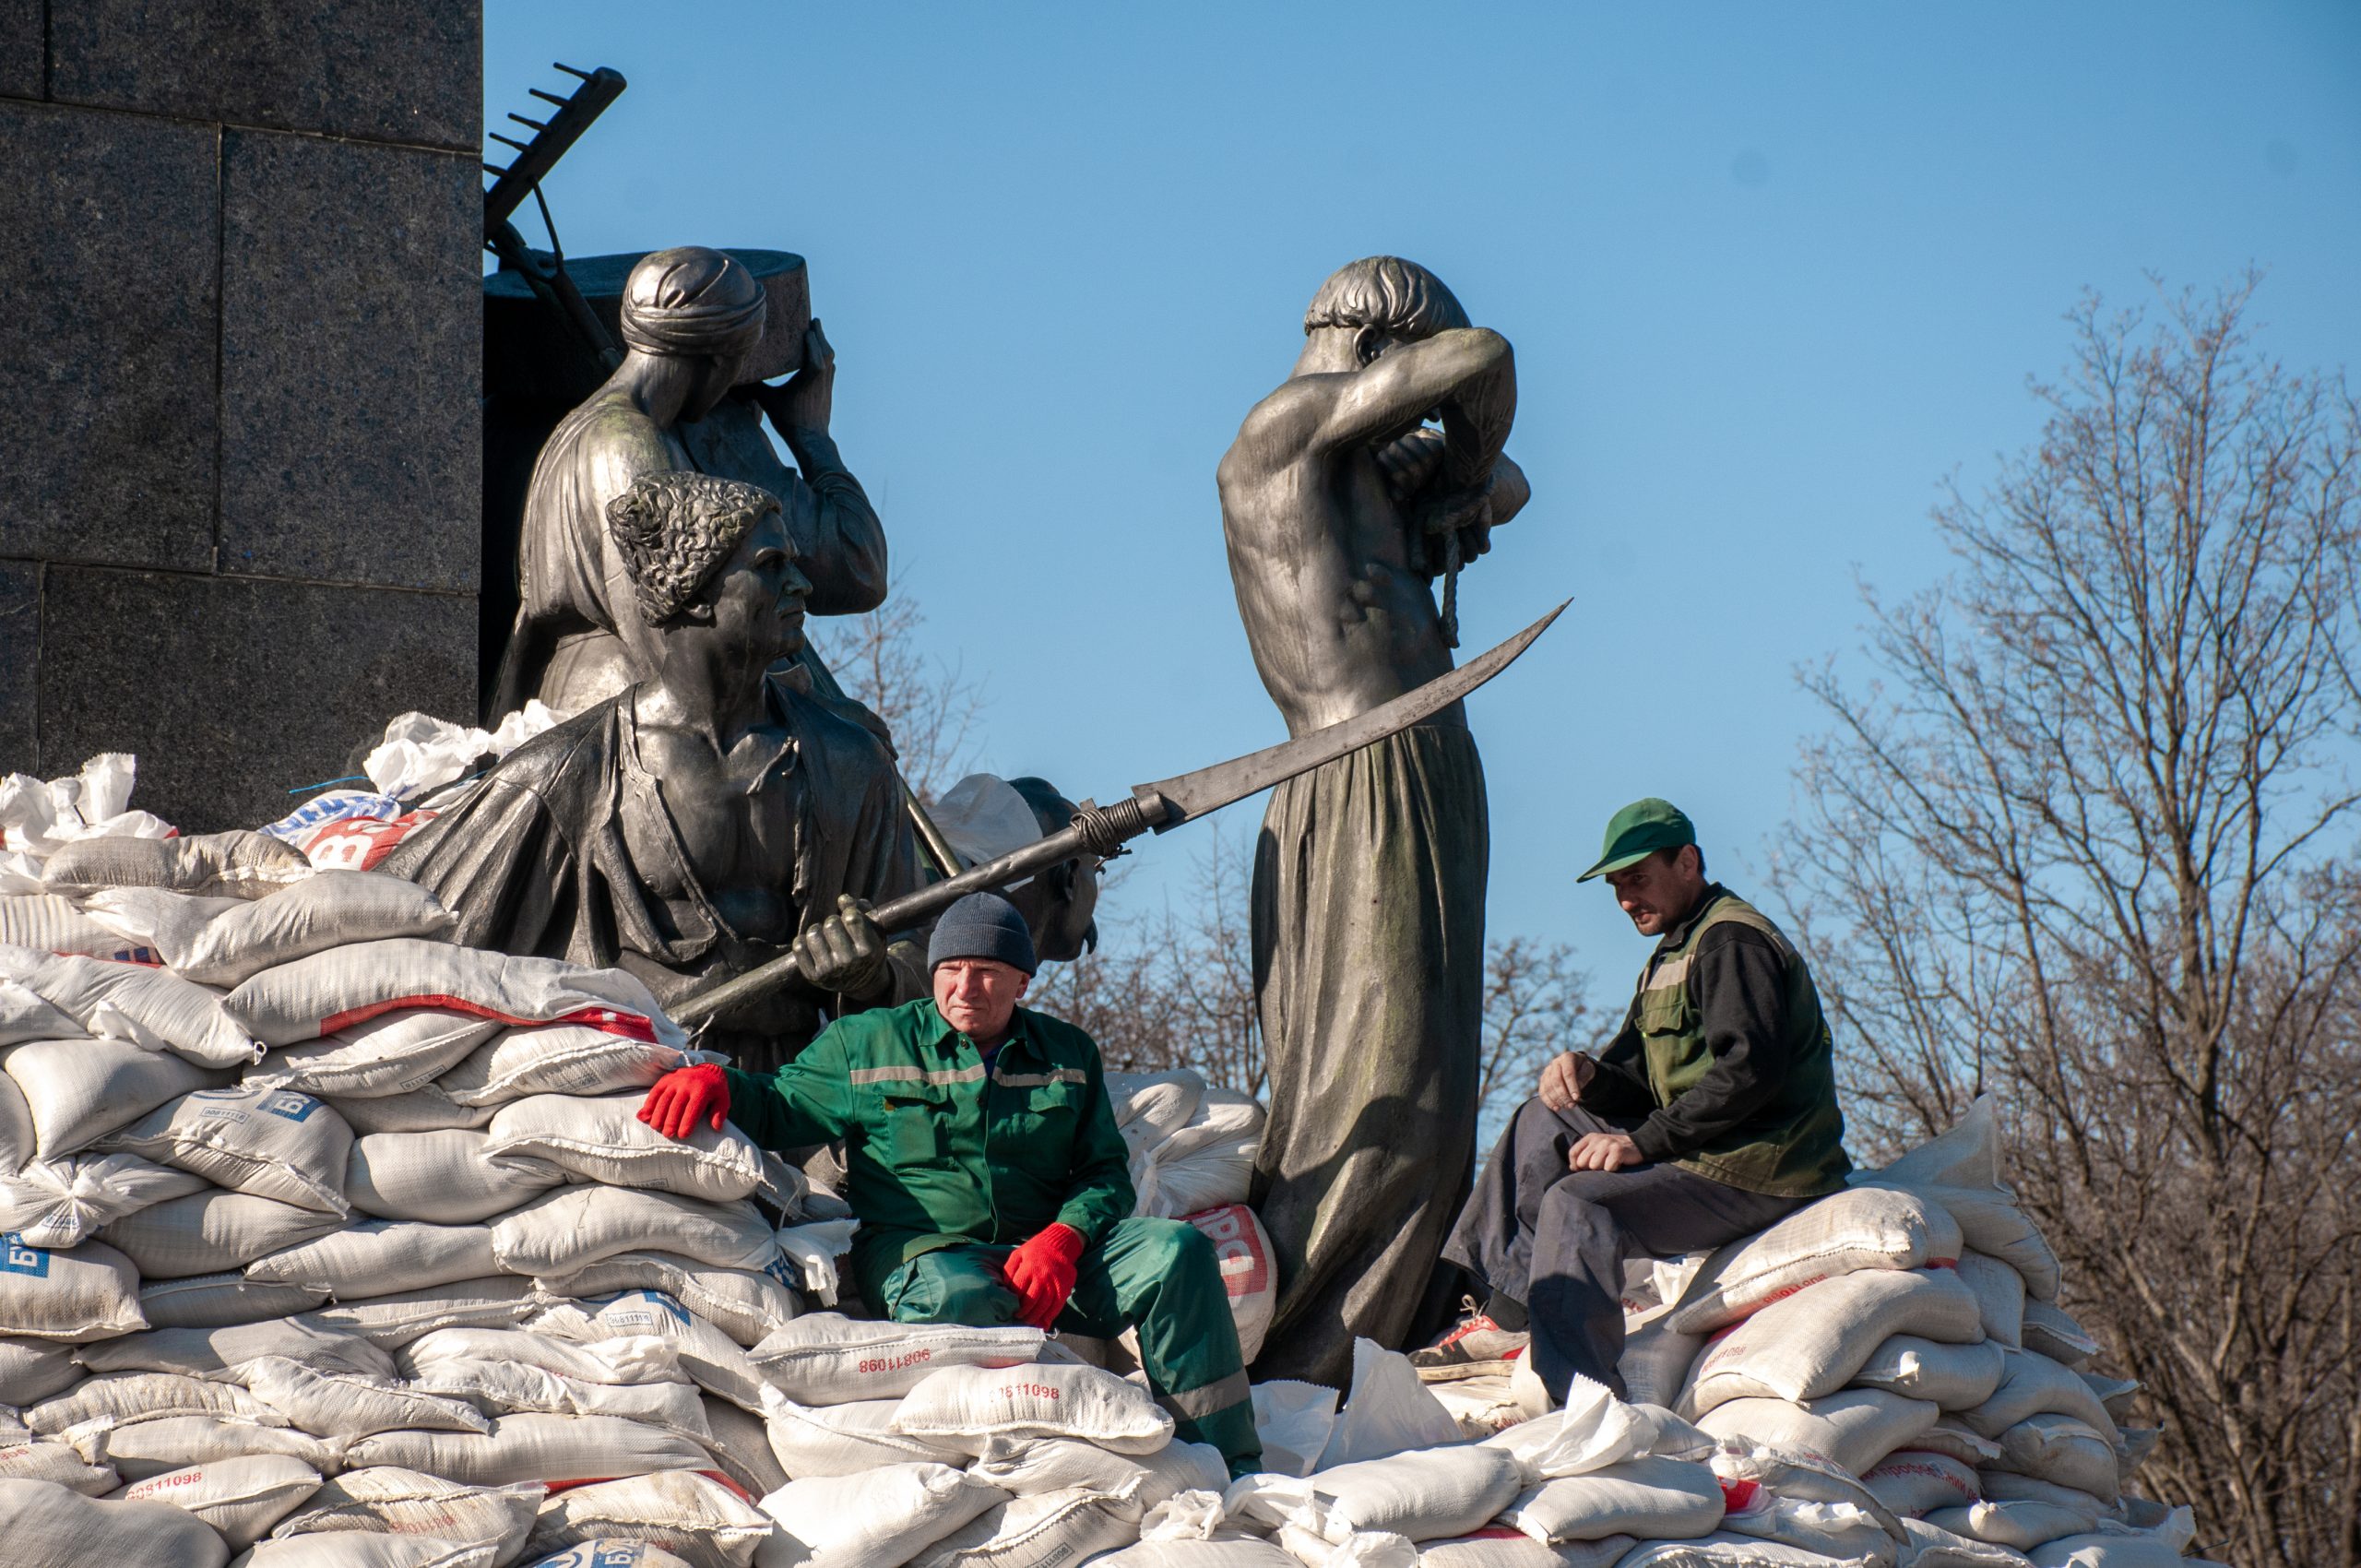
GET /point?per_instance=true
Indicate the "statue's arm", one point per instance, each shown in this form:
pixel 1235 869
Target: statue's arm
pixel 840 541
pixel 1469 373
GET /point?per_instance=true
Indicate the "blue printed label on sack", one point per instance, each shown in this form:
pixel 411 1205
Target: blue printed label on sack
pixel 17 1258
pixel 777 1269
pixel 293 1107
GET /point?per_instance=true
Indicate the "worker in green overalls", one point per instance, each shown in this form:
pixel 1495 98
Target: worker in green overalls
pixel 1710 1115
pixel 991 1185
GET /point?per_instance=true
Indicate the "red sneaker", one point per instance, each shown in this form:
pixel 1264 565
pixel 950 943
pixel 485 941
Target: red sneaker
pixel 1477 1347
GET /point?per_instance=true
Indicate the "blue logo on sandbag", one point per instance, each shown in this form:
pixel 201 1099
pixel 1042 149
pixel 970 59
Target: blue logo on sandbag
pixel 293 1107
pixel 17 1258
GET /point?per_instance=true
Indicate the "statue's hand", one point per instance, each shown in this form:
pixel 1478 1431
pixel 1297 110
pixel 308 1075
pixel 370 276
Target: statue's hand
pixel 845 953
pixel 808 398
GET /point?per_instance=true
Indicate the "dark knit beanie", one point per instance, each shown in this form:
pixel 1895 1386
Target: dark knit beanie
pixel 982 925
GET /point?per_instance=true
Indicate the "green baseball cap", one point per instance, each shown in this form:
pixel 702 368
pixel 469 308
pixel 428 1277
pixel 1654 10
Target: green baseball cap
pixel 1638 831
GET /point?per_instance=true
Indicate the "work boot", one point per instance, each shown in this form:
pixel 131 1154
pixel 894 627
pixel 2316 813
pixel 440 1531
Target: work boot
pixel 1477 1348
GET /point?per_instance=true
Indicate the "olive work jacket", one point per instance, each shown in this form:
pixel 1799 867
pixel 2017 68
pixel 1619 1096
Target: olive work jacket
pixel 938 1152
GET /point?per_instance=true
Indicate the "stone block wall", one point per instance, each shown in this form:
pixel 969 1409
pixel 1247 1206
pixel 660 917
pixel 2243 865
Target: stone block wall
pixel 241 446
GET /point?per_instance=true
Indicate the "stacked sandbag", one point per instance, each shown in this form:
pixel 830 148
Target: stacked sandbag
pixel 1191 1147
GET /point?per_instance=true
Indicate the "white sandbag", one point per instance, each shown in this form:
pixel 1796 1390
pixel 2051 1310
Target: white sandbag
pixel 1151 1107
pixel 2000 1295
pixel 600 1138
pixel 350 1550
pixel 1656 1361
pixel 1953 1437
pixel 443 1178
pixel 1223 1116
pixel 1931 1548
pixel 1422 1494
pixel 1811 1343
pixel 219 946
pixel 336 1403
pixel 1858 1229
pixel 212 1231
pixel 17 1139
pixel 236 864
pixel 78 1090
pixel 829 1358
pixel 398 1317
pixel 1493 1547
pixel 46 1525
pixel 741 1447
pixel 358 1260
pixel 2051 1331
pixel 1055 1528
pixel 394 1053
pixel 1229 1549
pixel 153 1009
pixel 510 1389
pixel 1728 1550
pixel 2063 1452
pixel 331 990
pixel 711 1358
pixel 1840 1532
pixel 1956 1377
pixel 611 1555
pixel 746 1306
pixel 702 1522
pixel 173 1442
pixel 269 1143
pixel 1250 1270
pixel 964 1404
pixel 533 1448
pixel 120 1399
pixel 32 1369
pixel 387 1499
pixel 878 1519
pixel 56 1203
pixel 2106 1551
pixel 60 1462
pixel 1854 1429
pixel 619 1360
pixel 2033 1386
pixel 1914 1481
pixel 1293 1421
pixel 1961 1170
pixel 2007 1486
pixel 216 1301
pixel 1591 1431
pixel 240 1498
pixel 49 923
pixel 2020 1525
pixel 575 1227
pixel 560 1058
pixel 842 1439
pixel 1386 1410
pixel 89 1292
pixel 1648 1498
pixel 1213 1175
pixel 226 1352
pixel 426 1109
pixel 24 1016
pixel 1025 1466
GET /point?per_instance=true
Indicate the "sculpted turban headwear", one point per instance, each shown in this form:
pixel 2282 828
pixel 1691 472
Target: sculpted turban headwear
pixel 691 299
pixel 676 530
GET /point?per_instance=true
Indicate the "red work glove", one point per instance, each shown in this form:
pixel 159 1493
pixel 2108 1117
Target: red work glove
pixel 1041 1273
pixel 684 1097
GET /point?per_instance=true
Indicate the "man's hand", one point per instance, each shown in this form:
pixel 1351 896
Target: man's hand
pixel 1603 1152
pixel 845 953
pixel 1042 1272
pixel 809 397
pixel 1564 1078
pixel 682 1098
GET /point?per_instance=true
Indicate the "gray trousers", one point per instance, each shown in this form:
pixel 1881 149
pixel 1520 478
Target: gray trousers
pixel 1555 1240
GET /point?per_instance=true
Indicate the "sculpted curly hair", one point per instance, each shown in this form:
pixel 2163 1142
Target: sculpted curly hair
pixel 1386 292
pixel 676 530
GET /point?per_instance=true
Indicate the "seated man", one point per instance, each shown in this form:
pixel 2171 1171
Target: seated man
pixel 1712 1114
pixel 989 1180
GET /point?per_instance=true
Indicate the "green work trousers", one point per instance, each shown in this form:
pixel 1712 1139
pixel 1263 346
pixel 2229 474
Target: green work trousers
pixel 1157 1275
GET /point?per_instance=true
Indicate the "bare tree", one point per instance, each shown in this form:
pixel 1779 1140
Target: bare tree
pixel 1536 1005
pixel 927 702
pixel 2086 841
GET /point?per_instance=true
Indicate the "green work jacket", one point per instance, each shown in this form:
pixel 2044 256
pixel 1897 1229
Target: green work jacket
pixel 938 1152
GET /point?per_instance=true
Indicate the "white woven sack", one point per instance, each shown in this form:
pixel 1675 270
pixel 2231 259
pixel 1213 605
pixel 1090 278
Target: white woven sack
pixel 2051 1331
pixel 1212 1176
pixel 741 1447
pixel 2108 1551
pixel 963 1405
pixel 89 1292
pixel 1056 1527
pixel 387 1499
pixel 1811 1343
pixel 1931 1548
pixel 49 923
pixel 336 1404
pixel 1858 1229
pixel 699 1521
pixel 63 1202
pixel 236 864
pixel 1916 1483
pixel 1728 1550
pixel 575 1227
pixel 394 1053
pixel 1953 1437
pixel 1956 1377
pixel 1837 1531
pixel 120 1399
pixel 225 1353
pixel 601 1139
pixel 1647 1498
pixel 2000 1295
pixel 1024 1466
pixel 2033 1386
pixel 829 1358
pixel 1151 1107
pixel 1224 1116
pixel 214 945
pixel 1961 1170
pixel 48 1527
pixel 426 1109
pixel 2007 1486
pixel 240 1498
pixel 612 1554
pixel 78 1090
pixel 150 1008
pixel 212 1231
pixel 1423 1494
pixel 395 1319
pixel 443 1178
pixel 357 1260
pixel 1250 1270
pixel 559 1059
pixel 350 1550
pixel 1492 1547
pixel 509 1388
pixel 843 1440
pixel 32 1369
pixel 18 1140
pixel 2019 1526
pixel 878 1519
pixel 1656 1361
pixel 1853 1429
pixel 24 1016
pixel 173 1442
pixel 331 990
pixel 747 1307
pixel 2113 1393
pixel 712 1359
pixel 216 1300
pixel 2063 1452
pixel 57 1462
pixel 269 1143
pixel 534 1448
pixel 620 1360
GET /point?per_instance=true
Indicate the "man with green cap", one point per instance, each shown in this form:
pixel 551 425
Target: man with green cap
pixel 1710 1115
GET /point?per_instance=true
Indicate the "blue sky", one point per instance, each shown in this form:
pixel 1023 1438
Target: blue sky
pixel 1771 272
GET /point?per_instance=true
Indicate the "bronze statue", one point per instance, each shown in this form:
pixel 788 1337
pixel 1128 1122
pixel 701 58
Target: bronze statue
pixel 708 817
pixel 690 317
pixel 1341 509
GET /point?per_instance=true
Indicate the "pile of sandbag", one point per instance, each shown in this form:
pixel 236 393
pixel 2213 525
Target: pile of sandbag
pixel 1192 1154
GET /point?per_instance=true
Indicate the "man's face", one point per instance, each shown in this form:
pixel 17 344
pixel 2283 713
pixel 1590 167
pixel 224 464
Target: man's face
pixel 716 373
pixel 978 996
pixel 759 603
pixel 1659 890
